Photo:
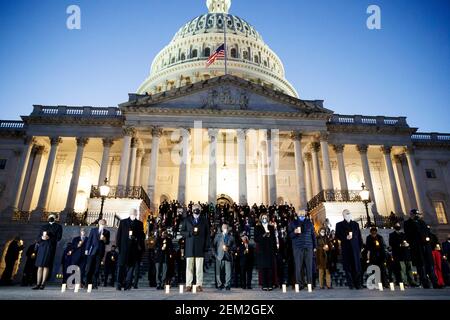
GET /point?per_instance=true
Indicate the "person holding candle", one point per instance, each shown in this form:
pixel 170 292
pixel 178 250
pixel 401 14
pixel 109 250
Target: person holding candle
pixel 349 235
pixel 111 259
pixel 224 246
pixel 66 261
pixel 130 240
pixel 401 255
pixel 163 251
pixel 49 236
pixel 95 251
pixel 265 251
pixel 78 253
pixel 29 271
pixel 246 261
pixel 323 258
pixel 181 261
pixel 11 257
pixel 376 253
pixel 301 231
pixel 195 231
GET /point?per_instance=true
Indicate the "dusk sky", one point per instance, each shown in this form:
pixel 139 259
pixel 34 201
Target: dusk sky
pixel 328 52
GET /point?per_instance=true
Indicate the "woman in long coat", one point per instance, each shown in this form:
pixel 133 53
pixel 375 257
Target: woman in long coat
pixel 265 251
pixel 49 236
pixel 323 258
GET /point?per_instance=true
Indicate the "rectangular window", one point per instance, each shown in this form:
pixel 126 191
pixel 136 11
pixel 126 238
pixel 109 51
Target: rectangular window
pixel 431 174
pixel 2 164
pixel 439 207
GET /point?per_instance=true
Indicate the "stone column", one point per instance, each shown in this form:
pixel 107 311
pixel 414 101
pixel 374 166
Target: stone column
pixel 299 169
pixel 132 166
pixel 309 189
pixel 72 195
pixel 212 181
pixel 137 174
pixel 154 153
pixel 272 167
pixel 125 156
pixel 362 149
pixel 31 178
pixel 392 182
pixel 414 177
pixel 185 136
pixel 328 181
pixel 21 170
pixel 107 144
pixel 242 162
pixel 315 147
pixel 42 202
pixel 339 150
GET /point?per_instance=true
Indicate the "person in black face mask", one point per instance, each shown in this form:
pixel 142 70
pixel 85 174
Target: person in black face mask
pixel 401 254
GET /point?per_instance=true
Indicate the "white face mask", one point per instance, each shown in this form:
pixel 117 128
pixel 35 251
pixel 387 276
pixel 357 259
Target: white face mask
pixel 133 217
pixel 322 234
pixel 348 217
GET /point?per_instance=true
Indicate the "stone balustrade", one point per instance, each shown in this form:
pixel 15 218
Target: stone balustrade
pixel 85 111
pixel 430 136
pixel 368 120
pixel 11 124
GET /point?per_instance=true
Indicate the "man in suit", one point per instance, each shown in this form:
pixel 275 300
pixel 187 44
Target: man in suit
pixel 78 253
pixel 195 230
pixel 110 265
pixel 162 256
pixel 131 243
pixel 246 261
pixel 224 246
pixel 95 251
pixel 376 251
pixel 348 232
pixel 401 255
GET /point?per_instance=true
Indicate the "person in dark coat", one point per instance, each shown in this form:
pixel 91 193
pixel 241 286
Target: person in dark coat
pixel 66 260
pixel 323 258
pixel 111 259
pixel 348 232
pixel 265 251
pixel 163 252
pixel 418 236
pixel 401 256
pixel 224 245
pixel 49 236
pixel 283 255
pixel 301 231
pixel 78 253
pixel 376 253
pixel 131 243
pixel 95 251
pixel 246 261
pixel 181 262
pixel 30 270
pixel 195 230
pixel 11 257
pixel 151 251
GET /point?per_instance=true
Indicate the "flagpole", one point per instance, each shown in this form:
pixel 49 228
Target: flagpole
pixel 225 42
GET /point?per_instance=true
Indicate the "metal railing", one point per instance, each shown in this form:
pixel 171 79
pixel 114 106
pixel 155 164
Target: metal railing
pixel 120 192
pixel 91 218
pixel 379 221
pixel 21 216
pixel 368 120
pixel 334 196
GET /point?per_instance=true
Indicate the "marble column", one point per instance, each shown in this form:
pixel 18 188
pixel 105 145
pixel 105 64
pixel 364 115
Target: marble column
pixel 339 150
pixel 185 136
pixel 107 144
pixel 328 181
pixel 414 177
pixel 212 173
pixel 386 150
pixel 154 154
pixel 132 166
pixel 309 182
pixel 315 147
pixel 125 156
pixel 299 169
pixel 242 162
pixel 22 166
pixel 362 149
pixel 272 167
pixel 42 202
pixel 72 195
pixel 31 178
pixel 137 174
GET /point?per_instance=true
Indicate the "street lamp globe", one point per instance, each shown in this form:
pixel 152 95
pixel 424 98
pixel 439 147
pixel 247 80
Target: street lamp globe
pixel 104 189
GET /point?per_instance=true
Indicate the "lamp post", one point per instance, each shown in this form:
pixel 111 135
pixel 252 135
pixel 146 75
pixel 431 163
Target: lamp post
pixel 104 192
pixel 365 197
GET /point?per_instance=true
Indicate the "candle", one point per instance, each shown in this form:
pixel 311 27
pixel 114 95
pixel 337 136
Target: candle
pixel 44 234
pixel 246 251
pixel 427 238
pixel 77 287
pixel 194 288
pixel 309 287
pixel 224 247
pixel 391 285
pixel 130 233
pixel 284 288
pixel 297 288
pixel 63 288
pixel 167 289
pixel 380 286
pixel 33 255
pixel 195 229
pixel 350 234
pixel 402 286
pixel 181 289
pixel 112 258
pixel 89 289
pixel 377 243
pixel 325 247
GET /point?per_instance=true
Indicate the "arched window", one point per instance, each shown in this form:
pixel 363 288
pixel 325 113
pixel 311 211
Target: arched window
pixel 245 54
pixel 207 52
pixel 256 59
pixel 183 57
pixel 173 60
pixel 194 53
pixel 233 53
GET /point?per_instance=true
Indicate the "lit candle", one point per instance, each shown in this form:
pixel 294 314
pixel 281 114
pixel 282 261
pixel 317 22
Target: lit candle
pixel 380 286
pixel 402 286
pixel 112 258
pixel 377 243
pixel 195 229
pixel 77 287
pixel 181 289
pixel 297 288
pixel 284 288
pixel 167 289
pixel 194 288
pixel 89 289
pixel 325 247
pixel 130 233
pixel 224 247
pixel 309 287
pixel 63 288
pixel 350 234
pixel 391 285
pixel 44 234
pixel 428 239
pixel 33 255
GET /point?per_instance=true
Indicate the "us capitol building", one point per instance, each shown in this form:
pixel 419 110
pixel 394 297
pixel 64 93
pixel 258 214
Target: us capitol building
pixel 195 133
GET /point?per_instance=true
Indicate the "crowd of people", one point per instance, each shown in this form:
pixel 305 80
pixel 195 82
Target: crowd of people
pixel 283 244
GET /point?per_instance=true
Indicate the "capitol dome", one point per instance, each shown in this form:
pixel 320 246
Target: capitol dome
pixel 183 60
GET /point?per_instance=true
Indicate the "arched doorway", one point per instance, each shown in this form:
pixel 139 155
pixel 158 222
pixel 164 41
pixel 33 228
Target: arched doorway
pixel 223 199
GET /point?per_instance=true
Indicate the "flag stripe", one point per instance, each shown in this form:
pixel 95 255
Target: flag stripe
pixel 219 53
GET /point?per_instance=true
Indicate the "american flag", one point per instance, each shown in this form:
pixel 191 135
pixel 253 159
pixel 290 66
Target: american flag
pixel 219 53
